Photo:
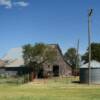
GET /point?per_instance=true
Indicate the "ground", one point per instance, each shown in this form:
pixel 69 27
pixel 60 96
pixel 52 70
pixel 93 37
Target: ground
pixel 52 89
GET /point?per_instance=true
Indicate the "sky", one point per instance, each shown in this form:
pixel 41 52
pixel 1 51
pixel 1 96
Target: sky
pixel 47 21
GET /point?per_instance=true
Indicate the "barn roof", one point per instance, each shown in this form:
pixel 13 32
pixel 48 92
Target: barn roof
pixel 14 58
pixel 15 63
pixel 94 64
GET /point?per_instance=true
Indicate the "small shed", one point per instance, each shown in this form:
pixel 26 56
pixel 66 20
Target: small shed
pixel 95 72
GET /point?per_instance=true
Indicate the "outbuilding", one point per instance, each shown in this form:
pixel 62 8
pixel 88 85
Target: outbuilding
pixel 95 72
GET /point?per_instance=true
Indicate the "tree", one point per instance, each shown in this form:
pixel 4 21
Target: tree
pixel 35 56
pixel 95 53
pixel 70 57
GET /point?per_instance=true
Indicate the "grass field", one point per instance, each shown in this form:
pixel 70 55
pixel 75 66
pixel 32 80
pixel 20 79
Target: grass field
pixel 52 89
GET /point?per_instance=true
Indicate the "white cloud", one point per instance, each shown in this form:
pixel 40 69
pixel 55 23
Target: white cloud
pixel 21 3
pixel 6 3
pixel 11 3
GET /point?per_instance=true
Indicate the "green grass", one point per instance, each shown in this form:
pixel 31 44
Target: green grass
pixel 52 89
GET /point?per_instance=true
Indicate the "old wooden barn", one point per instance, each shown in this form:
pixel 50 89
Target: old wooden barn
pixel 15 66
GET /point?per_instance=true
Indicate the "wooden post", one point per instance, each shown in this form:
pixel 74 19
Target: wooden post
pixel 89 44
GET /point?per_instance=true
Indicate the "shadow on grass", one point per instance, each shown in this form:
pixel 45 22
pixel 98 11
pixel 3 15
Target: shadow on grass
pixel 77 82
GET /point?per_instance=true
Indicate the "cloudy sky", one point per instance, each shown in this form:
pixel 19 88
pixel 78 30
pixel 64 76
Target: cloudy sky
pixel 48 21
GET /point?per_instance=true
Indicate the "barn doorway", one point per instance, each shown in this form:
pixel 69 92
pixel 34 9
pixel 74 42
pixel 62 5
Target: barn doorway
pixel 55 70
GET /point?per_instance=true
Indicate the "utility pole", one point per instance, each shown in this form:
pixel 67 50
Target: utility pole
pixel 77 57
pixel 89 44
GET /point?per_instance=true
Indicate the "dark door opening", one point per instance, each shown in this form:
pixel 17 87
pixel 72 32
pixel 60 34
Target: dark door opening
pixel 40 73
pixel 55 70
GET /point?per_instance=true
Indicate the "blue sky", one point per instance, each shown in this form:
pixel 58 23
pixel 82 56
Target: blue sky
pixel 48 21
